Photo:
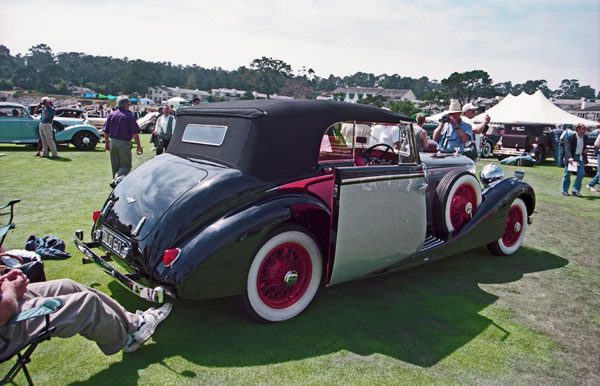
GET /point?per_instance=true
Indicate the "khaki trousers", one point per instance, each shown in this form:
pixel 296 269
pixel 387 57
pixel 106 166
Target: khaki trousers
pixel 120 157
pixel 47 140
pixel 86 311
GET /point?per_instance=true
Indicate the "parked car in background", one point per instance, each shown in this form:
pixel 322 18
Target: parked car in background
pixel 97 122
pixel 18 126
pixel 268 200
pixel 146 123
pixel 533 139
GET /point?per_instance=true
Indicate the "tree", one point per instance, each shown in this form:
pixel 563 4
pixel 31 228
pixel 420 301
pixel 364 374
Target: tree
pixel 404 107
pixel 532 86
pixel 466 86
pixel 434 97
pixel 296 88
pixel 373 100
pixel 268 75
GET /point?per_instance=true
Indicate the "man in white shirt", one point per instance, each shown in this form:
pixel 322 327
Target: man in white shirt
pixel 469 111
pixel 163 129
pixel 385 133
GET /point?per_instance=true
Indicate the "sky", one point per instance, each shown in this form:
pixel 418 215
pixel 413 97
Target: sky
pixel 513 40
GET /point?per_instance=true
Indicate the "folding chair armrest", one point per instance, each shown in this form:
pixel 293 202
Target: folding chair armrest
pixel 11 204
pixel 50 306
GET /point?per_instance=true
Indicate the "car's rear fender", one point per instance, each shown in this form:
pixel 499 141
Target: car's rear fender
pixel 215 261
pixel 68 133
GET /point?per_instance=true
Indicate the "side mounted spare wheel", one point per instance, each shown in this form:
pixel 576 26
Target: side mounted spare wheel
pixel 487 149
pixel 514 230
pixel 458 197
pixel 84 140
pixel 284 276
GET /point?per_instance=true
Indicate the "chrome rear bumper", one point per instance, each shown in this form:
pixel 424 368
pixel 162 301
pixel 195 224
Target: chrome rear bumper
pixel 156 294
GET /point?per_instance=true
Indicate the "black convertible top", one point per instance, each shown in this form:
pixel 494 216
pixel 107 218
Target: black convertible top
pixel 271 139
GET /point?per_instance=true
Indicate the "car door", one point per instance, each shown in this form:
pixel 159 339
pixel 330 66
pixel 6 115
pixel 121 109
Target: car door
pixel 17 126
pixel 379 216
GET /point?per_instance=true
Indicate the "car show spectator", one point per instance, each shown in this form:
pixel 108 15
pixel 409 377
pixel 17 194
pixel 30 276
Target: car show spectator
pixel 46 110
pixel 85 311
pixel 119 129
pixel 452 132
pixel 163 129
pixel 596 180
pixel 195 101
pixel 421 133
pixel 469 111
pixel 557 145
pixel 574 145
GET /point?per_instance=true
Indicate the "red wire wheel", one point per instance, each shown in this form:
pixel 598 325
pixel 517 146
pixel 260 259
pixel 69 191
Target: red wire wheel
pixel 462 206
pixel 458 195
pixel 514 226
pixel 284 275
pixel 514 230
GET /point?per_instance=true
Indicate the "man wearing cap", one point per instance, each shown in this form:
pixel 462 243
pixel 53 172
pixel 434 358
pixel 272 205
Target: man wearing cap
pixel 120 127
pixel 452 135
pixel 46 131
pixel 469 111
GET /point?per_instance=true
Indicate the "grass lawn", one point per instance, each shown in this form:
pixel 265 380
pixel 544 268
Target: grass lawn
pixel 530 318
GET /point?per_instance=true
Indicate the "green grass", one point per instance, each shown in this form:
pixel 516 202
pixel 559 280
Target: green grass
pixel 530 318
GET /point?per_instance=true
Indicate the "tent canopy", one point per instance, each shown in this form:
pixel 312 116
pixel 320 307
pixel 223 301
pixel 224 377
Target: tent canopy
pixel 176 100
pixel 525 108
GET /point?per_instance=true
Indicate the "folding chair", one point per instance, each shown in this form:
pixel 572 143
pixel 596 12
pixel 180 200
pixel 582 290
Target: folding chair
pixel 50 306
pixel 10 225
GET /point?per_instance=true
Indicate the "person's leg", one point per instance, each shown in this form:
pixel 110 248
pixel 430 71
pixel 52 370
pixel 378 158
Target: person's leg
pixel 84 311
pixel 556 154
pixel 52 142
pixel 580 175
pixel 596 179
pixel 566 181
pixel 46 138
pixel 125 158
pixel 114 157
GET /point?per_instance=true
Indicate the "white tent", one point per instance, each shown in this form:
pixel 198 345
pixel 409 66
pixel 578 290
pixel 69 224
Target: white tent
pixel 525 108
pixel 535 108
pixel 176 101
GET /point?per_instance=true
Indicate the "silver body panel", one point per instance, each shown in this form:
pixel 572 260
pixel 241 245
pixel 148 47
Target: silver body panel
pixel 380 221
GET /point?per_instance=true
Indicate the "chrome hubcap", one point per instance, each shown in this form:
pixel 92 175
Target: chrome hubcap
pixel 290 278
pixel 517 227
pixel 469 208
pixel 85 141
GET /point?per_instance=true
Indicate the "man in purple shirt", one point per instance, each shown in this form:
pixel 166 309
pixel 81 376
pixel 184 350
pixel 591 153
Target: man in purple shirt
pixel 120 127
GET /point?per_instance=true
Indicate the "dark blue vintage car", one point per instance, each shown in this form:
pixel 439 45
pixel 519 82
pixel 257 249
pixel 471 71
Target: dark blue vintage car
pixel 266 199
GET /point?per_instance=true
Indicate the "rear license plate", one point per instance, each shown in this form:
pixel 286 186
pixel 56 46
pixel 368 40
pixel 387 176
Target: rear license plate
pixel 115 243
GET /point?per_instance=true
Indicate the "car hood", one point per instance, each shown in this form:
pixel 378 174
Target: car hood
pixel 149 191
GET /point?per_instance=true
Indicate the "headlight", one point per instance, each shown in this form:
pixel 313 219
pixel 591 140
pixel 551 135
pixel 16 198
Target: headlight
pixel 490 173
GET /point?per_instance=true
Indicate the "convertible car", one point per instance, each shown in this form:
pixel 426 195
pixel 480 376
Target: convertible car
pixel 17 126
pixel 266 199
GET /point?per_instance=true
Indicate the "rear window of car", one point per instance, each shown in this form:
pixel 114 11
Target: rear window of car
pixel 211 135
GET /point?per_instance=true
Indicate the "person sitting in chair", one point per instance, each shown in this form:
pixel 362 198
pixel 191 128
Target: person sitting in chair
pixel 86 311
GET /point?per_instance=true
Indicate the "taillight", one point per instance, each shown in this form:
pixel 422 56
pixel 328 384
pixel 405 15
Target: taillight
pixel 170 256
pixel 96 215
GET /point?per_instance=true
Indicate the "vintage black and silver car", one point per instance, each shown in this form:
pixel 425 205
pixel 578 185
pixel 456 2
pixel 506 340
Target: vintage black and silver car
pixel 266 199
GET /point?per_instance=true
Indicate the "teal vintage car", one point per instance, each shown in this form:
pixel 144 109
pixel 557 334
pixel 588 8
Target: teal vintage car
pixel 18 126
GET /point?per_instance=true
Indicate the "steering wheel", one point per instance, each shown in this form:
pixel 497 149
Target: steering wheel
pixel 379 159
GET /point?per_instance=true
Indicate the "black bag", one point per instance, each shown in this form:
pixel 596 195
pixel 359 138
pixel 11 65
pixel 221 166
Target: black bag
pixel 470 150
pixel 32 268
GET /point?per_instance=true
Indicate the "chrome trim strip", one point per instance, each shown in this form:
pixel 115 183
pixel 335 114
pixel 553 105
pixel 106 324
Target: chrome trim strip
pixel 360 180
pixel 139 226
pixel 155 295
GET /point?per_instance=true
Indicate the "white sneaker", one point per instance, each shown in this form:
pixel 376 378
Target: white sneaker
pixel 591 188
pixel 153 149
pixel 151 318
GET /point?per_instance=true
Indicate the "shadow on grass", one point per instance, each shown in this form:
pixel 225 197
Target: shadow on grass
pixel 9 148
pixel 419 316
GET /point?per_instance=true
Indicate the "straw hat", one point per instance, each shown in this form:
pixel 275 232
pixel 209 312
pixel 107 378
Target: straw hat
pixel 454 107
